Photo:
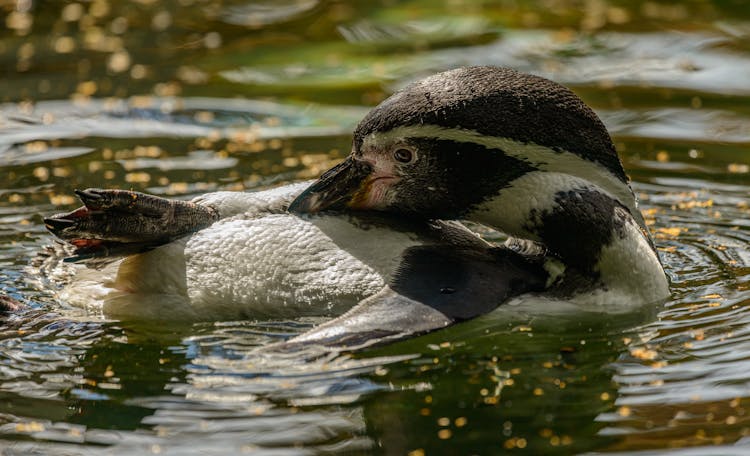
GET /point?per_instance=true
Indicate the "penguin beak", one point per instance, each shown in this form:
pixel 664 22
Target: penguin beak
pixel 335 189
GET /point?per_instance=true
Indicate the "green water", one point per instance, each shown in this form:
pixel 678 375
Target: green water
pixel 182 97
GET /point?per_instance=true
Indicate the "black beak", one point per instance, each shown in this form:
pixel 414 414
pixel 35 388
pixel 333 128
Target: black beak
pixel 335 188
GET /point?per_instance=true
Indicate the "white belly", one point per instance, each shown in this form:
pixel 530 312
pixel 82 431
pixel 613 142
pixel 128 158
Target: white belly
pixel 248 266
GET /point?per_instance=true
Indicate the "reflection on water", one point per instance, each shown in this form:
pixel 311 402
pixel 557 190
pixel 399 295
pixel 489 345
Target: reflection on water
pixel 179 98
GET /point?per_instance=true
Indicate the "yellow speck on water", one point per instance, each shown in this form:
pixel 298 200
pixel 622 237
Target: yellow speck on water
pixel 538 392
pixel 515 442
pixel 444 421
pixel 61 200
pixel 109 372
pixel 119 61
pixel 460 421
pixel 669 232
pixel 643 353
pixel 624 411
pixel 141 151
pixel 31 426
pixel 140 178
pixel 444 434
pixel 290 162
pixel 604 396
pixel 35 147
pixel 19 21
pixel 62 171
pixel 204 116
pixel 72 12
pixel 662 156
pixel 41 173
pixel 617 15
pixel 65 45
pixel 86 88
pixel 424 411
pixel 692 204
pixel 192 75
pixel 161 20
pixel 167 89
pixel 275 144
pixel 738 168
pixel 138 71
pixel 417 452
pixel 272 121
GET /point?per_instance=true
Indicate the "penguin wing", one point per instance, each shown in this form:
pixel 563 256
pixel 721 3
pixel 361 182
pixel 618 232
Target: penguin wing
pixel 435 287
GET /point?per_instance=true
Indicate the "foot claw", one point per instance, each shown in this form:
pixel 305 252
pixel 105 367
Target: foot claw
pixel 87 194
pixel 57 224
pixel 93 198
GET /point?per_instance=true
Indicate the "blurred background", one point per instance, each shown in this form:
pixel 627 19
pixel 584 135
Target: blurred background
pixel 181 97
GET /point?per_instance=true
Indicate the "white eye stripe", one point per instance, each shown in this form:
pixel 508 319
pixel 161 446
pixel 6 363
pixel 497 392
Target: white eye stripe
pixel 544 158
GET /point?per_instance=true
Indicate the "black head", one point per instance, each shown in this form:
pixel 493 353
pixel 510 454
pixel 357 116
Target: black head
pixel 446 143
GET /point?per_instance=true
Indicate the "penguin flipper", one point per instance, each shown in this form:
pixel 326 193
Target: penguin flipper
pixel 434 287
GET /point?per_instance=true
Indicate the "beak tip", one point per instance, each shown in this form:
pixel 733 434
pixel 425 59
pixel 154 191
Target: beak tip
pixel 333 190
pixel 306 203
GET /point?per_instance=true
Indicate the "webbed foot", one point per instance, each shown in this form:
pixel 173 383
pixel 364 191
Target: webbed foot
pixel 122 221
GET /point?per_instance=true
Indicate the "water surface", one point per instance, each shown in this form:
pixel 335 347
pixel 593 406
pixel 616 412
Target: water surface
pixel 183 97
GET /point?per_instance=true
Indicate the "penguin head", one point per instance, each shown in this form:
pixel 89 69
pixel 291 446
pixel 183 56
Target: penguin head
pixel 442 146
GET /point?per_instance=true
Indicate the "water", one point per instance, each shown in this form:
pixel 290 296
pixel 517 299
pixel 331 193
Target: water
pixel 183 97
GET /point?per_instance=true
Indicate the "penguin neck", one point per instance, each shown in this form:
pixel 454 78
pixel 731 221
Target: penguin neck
pixel 581 224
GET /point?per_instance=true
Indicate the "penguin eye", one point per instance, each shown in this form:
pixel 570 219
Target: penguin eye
pixel 403 155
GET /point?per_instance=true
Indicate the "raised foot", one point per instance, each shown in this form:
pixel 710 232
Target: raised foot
pixel 110 219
